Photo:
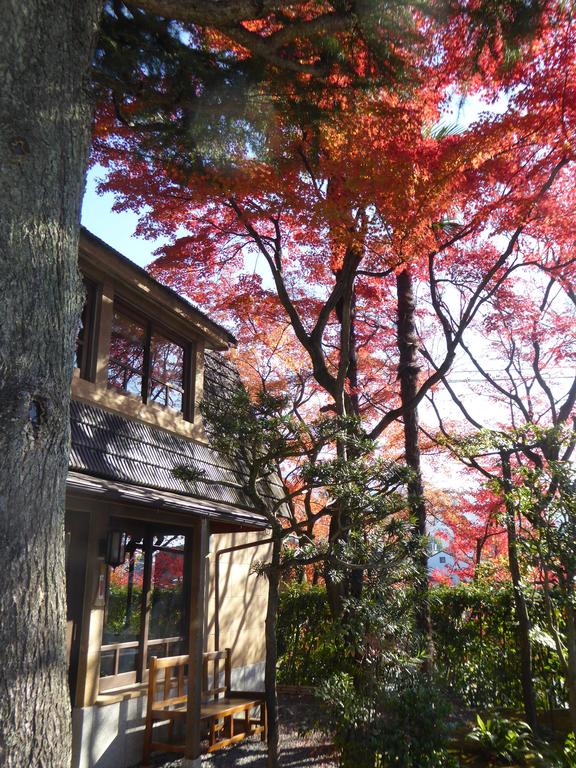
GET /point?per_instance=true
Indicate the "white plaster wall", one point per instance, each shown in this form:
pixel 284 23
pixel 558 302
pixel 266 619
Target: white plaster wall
pixel 249 678
pixel 434 564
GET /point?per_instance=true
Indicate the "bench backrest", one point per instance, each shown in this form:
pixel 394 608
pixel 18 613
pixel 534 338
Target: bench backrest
pixel 172 684
pixel 216 674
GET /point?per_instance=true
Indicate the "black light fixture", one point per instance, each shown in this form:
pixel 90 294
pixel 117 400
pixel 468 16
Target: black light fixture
pixel 115 548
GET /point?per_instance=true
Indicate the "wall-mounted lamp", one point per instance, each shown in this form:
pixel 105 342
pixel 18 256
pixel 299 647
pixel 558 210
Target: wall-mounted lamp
pixel 115 548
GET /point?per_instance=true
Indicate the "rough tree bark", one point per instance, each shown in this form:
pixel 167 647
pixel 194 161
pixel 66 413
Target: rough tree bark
pixel 408 370
pixel 45 117
pixel 521 609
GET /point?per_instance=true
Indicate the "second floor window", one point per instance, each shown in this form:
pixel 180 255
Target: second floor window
pixel 166 382
pixel 86 339
pixel 145 362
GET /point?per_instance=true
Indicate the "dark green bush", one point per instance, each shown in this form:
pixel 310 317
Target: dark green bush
pixel 475 640
pixel 503 741
pixel 310 647
pixel 397 719
pixel 477 650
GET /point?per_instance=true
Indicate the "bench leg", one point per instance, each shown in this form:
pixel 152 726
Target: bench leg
pixel 212 737
pixel 147 742
pixel 229 726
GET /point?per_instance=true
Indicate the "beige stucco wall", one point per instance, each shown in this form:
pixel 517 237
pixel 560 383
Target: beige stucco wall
pixel 242 597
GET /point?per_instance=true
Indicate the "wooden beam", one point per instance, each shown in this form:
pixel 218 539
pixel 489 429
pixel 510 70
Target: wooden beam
pixel 196 642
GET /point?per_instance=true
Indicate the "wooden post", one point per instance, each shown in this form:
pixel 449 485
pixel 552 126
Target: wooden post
pixel 196 643
pixel 146 606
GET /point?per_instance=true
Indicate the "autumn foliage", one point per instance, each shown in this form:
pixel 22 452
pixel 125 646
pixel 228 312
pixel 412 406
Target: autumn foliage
pixel 286 225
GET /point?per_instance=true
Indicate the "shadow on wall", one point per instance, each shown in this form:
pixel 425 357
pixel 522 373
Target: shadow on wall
pixel 109 736
pixel 238 620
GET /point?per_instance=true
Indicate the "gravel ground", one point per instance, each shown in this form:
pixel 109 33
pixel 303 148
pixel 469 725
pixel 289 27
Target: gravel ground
pixel 302 746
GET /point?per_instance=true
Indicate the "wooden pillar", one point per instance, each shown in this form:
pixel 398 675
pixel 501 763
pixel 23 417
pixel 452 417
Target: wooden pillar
pixel 93 609
pixel 146 606
pixel 196 643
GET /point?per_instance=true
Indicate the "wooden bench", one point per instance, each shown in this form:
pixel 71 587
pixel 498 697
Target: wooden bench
pixel 167 701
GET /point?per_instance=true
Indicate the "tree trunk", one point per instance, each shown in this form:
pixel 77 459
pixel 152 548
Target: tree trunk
pixel 408 370
pixel 45 110
pixel 336 588
pixel 350 584
pixel 571 653
pixel 272 654
pixel 520 606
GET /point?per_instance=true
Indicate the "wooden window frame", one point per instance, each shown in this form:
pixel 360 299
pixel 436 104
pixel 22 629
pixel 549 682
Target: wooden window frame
pixel 144 643
pixel 93 300
pixel 188 364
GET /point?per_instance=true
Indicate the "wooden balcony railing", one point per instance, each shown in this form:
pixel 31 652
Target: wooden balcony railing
pixel 160 647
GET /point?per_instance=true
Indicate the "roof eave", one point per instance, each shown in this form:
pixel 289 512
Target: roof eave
pixel 219 336
pixel 81 484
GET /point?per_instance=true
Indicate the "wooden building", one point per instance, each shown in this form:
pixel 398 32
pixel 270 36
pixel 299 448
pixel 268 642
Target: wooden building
pixel 182 581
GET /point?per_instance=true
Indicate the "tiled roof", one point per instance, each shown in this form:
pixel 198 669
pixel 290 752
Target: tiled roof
pixel 109 446
pixel 161 501
pixel 221 377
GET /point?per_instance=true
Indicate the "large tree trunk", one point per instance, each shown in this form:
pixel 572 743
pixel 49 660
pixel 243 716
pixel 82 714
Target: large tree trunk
pixel 45 118
pixel 408 370
pixel 272 654
pixel 570 616
pixel 520 606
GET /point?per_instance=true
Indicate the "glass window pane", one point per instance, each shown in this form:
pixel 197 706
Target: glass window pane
pixel 128 660
pixel 161 650
pixel 81 338
pixel 174 399
pixel 123 619
pixel 166 618
pixel 126 361
pixel 166 372
pixel 123 599
pixel 107 663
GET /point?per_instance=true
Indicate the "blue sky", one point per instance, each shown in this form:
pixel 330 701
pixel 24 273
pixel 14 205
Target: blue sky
pixel 116 229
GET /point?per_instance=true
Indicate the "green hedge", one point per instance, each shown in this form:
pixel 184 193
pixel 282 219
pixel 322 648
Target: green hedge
pixel 476 646
pixel 309 646
pixel 475 640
